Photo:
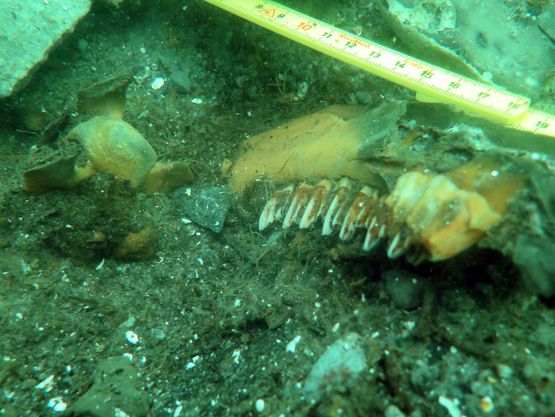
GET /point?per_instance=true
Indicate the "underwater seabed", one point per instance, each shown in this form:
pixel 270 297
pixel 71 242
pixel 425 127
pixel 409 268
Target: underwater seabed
pixel 200 218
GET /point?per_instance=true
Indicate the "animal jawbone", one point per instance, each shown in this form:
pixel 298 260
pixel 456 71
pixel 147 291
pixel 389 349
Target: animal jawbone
pixel 418 192
pixel 422 211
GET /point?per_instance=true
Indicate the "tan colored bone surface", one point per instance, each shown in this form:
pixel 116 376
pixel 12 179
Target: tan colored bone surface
pixel 323 144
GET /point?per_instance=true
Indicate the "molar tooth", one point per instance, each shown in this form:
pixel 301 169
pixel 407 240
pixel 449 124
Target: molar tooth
pixel 392 248
pixel 406 194
pixel 372 237
pixel 298 205
pixel 273 209
pixel 398 246
pixel 316 204
pixel 336 207
pixel 358 207
pixel 267 215
pixel 284 198
pixel 327 226
pixel 369 207
pixel 384 218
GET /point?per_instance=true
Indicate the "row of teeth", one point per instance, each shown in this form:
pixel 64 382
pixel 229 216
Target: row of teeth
pixel 338 206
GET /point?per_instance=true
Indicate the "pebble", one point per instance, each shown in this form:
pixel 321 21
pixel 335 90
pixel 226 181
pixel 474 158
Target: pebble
pixel 364 98
pixel 157 83
pixel 292 345
pixel 131 337
pixel 259 405
pixel 158 334
pixel 343 359
pixel 57 404
pixel 504 371
pixel 393 411
pixel 181 81
pixel 404 288
pixel 207 207
pixel 452 406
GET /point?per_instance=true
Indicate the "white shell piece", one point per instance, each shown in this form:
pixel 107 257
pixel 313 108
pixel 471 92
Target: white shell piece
pixel 131 337
pixel 157 83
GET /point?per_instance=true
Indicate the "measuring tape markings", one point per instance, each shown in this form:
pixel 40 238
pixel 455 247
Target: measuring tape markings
pixel 536 121
pixel 402 65
pixel 441 85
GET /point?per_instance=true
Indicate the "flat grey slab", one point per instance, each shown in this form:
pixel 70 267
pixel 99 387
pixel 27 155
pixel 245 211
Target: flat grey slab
pixel 29 29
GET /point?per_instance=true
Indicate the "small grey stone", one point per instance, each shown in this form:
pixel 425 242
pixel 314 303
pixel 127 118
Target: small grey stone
pixel 404 288
pixel 482 389
pixel 504 371
pixel 393 411
pixel 117 385
pixel 181 80
pixel 342 359
pixel 158 334
pixel 364 98
pixel 207 207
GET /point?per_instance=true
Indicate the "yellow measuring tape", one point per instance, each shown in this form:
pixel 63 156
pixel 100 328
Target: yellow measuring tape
pixel 472 97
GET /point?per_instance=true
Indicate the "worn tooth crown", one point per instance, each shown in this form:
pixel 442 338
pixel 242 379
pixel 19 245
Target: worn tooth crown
pixel 338 206
pixel 267 216
pixel 357 209
pixel 316 204
pixel 273 210
pixel 372 237
pixel 298 205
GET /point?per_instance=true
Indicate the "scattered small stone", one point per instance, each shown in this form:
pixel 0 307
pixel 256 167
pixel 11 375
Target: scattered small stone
pixel 504 371
pixel 404 288
pixel 292 345
pixel 57 404
pixel 487 404
pixel 46 384
pixel 538 371
pixel 157 83
pixel 364 98
pixel 452 406
pixel 181 80
pixel 393 411
pixel 131 337
pixel 82 44
pixel 482 389
pixel 158 334
pixel 207 207
pixel 117 389
pixel 276 317
pixel 259 405
pixel 344 358
pixel 192 363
